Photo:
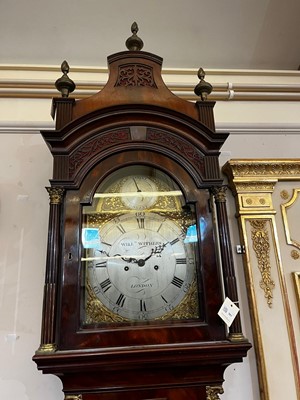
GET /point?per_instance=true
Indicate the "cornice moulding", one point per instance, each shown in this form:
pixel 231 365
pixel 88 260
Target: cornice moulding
pixel 248 170
pixel 258 128
pixel 37 81
pixel 232 128
pixel 166 71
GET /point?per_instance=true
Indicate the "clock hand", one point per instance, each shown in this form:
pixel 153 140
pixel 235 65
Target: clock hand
pixel 159 249
pixel 129 259
pixel 151 254
pixel 137 188
pixel 141 261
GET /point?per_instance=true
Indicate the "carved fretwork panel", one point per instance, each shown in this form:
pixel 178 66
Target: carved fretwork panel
pixel 67 167
pixel 135 75
pixel 94 146
pixel 179 145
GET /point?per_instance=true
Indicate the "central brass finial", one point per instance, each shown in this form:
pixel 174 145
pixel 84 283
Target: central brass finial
pixel 134 43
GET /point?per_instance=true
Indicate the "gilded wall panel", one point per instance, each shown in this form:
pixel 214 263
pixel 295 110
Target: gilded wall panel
pixel 268 210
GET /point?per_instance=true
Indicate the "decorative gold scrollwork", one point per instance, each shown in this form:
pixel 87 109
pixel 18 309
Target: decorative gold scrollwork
pixel 212 392
pixel 96 312
pixel 261 246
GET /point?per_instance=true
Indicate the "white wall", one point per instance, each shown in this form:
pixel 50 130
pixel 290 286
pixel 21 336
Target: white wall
pixel 260 129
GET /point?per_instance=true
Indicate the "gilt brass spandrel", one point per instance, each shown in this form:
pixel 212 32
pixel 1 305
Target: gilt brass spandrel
pixel 96 312
pixel 113 202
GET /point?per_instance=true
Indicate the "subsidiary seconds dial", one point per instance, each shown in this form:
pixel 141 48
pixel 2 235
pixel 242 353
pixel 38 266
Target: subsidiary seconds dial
pixel 138 192
pixel 143 269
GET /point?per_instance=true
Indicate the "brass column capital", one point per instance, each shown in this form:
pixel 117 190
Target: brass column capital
pixel 219 193
pixel 212 392
pixel 56 194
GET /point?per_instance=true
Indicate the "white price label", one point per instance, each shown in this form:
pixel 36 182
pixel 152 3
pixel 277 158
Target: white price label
pixel 228 311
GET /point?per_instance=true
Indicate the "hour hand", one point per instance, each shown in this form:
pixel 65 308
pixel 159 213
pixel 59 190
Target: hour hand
pixel 127 259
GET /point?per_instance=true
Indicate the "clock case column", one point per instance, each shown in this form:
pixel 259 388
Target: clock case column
pixel 134 120
pixel 48 331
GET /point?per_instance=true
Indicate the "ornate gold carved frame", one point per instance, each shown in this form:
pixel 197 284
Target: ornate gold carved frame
pixel 265 191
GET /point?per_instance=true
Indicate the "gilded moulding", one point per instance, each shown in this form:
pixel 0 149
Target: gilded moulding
pixel 284 210
pixel 296 279
pixel 73 397
pixel 280 169
pixel 253 195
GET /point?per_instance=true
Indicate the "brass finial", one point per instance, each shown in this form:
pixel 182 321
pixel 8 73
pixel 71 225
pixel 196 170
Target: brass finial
pixel 65 85
pixel 134 43
pixel 203 89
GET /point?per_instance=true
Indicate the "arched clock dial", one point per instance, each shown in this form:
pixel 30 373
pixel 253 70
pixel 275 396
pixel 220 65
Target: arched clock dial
pixel 144 268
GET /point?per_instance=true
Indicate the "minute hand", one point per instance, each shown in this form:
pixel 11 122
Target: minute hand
pixel 160 248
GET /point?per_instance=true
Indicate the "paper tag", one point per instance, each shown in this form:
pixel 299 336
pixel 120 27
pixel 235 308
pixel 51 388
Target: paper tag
pixel 228 311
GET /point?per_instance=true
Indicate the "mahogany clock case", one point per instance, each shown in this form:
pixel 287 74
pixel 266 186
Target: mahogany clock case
pixel 98 350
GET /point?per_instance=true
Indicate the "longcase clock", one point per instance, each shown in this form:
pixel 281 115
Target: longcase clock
pixel 136 269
